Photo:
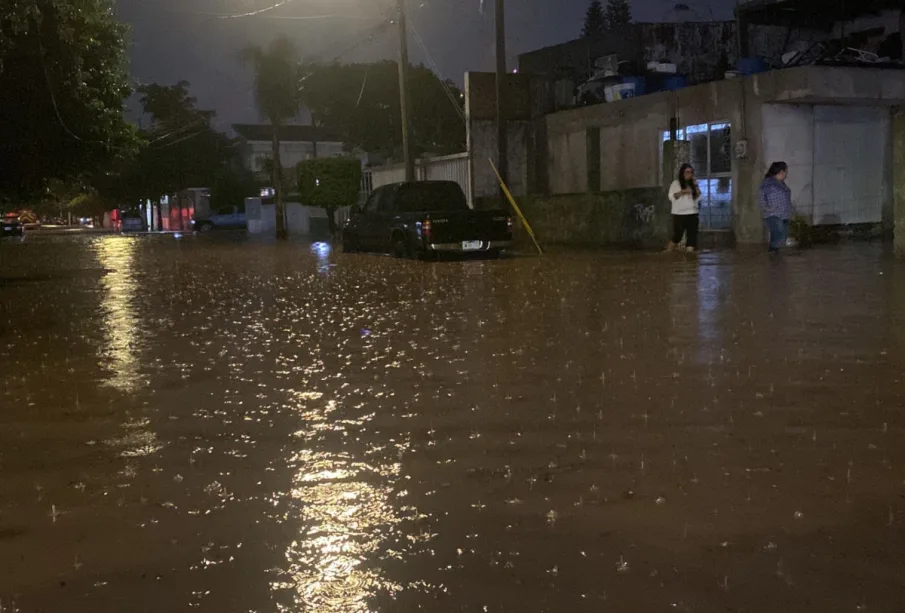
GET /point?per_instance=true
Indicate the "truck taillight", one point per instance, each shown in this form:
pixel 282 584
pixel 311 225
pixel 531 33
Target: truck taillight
pixel 509 223
pixel 426 228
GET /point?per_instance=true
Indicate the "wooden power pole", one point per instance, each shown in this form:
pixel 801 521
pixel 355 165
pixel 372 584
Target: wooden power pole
pixel 403 92
pixel 502 132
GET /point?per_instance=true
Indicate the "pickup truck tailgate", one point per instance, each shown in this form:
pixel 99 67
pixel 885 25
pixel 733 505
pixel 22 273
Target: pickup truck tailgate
pixel 458 226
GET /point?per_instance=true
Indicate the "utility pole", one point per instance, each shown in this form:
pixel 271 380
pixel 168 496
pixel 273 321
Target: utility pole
pixel 403 91
pixel 502 133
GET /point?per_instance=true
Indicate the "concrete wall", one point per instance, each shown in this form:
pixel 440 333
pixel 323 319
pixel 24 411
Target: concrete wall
pixel 261 218
pixel 629 218
pixel 839 160
pixel 898 180
pixel 524 99
pixel 852 170
pixel 788 135
pixel 630 131
pixel 567 161
pixel 482 143
pixel 631 134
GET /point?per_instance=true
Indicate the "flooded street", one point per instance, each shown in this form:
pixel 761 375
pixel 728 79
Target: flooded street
pixel 229 426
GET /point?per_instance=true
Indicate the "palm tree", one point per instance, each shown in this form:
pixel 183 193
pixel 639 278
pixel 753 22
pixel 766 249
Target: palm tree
pixel 276 94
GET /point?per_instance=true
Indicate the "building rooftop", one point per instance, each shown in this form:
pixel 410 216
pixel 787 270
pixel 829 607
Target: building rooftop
pixel 288 133
pixel 810 12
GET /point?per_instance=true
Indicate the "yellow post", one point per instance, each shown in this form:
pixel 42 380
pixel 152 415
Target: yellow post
pixel 515 206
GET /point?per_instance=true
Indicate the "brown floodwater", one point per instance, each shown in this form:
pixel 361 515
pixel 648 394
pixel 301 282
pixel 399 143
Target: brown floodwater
pixel 214 424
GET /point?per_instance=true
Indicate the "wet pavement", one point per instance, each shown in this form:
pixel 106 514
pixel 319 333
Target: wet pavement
pixel 218 425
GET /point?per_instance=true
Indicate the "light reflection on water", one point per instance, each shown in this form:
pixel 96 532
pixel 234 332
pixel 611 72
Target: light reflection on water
pixel 117 256
pixel 122 323
pixel 347 514
pixel 322 252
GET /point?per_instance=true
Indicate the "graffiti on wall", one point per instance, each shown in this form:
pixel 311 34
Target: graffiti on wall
pixel 644 214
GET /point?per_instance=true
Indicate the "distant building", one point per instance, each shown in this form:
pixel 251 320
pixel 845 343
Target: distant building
pixel 702 51
pixel 773 34
pixel 297 143
pixel 820 86
pixel 774 28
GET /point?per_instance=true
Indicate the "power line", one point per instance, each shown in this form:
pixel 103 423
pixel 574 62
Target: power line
pixel 366 37
pixel 185 126
pixel 75 136
pixel 435 68
pixel 182 140
pixel 262 13
pixel 254 13
pixel 56 108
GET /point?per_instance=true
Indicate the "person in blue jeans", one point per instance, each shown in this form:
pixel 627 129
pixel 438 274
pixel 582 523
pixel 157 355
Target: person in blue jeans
pixel 776 203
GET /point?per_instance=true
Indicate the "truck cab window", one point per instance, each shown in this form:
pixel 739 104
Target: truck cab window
pixel 370 204
pixel 386 200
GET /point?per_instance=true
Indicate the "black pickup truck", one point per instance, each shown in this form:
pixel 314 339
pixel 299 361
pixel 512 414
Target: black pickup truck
pixel 423 219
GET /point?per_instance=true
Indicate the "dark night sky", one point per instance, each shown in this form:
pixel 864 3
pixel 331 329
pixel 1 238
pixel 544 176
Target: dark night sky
pixel 176 40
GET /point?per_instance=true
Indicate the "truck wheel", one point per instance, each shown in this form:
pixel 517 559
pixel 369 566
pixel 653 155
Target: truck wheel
pixel 205 228
pixel 401 250
pixel 349 245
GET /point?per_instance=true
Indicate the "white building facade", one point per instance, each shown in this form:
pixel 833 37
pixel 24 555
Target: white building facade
pixel 297 144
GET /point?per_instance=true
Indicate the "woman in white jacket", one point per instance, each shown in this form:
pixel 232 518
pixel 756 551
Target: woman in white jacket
pixel 684 196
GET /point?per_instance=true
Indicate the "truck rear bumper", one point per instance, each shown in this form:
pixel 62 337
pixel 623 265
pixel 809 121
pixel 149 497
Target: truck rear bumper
pixel 466 247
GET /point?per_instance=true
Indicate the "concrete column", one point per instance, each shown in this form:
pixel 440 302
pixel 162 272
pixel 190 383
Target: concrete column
pixel 592 135
pixel 748 172
pixel 675 153
pixel 902 30
pixel 898 180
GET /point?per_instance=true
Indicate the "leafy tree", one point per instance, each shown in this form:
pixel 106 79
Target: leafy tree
pixel 183 150
pixel 329 183
pixel 361 102
pixel 276 93
pixel 90 204
pixel 618 14
pixel 180 149
pixel 594 22
pixel 171 107
pixel 58 196
pixel 63 83
pixel 232 186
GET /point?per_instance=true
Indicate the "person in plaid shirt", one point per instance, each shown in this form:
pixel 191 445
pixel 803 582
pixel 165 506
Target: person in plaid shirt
pixel 776 203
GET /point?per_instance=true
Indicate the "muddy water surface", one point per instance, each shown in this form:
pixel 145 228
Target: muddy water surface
pixel 200 424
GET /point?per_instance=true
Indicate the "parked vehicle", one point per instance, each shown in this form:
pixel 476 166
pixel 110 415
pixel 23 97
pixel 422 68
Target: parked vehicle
pixel 131 224
pixel 224 219
pixel 423 219
pixel 11 226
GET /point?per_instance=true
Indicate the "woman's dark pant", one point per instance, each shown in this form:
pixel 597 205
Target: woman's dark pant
pixel 686 225
pixel 779 232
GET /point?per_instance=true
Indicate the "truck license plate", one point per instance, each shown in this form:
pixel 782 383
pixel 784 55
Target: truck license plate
pixel 471 245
